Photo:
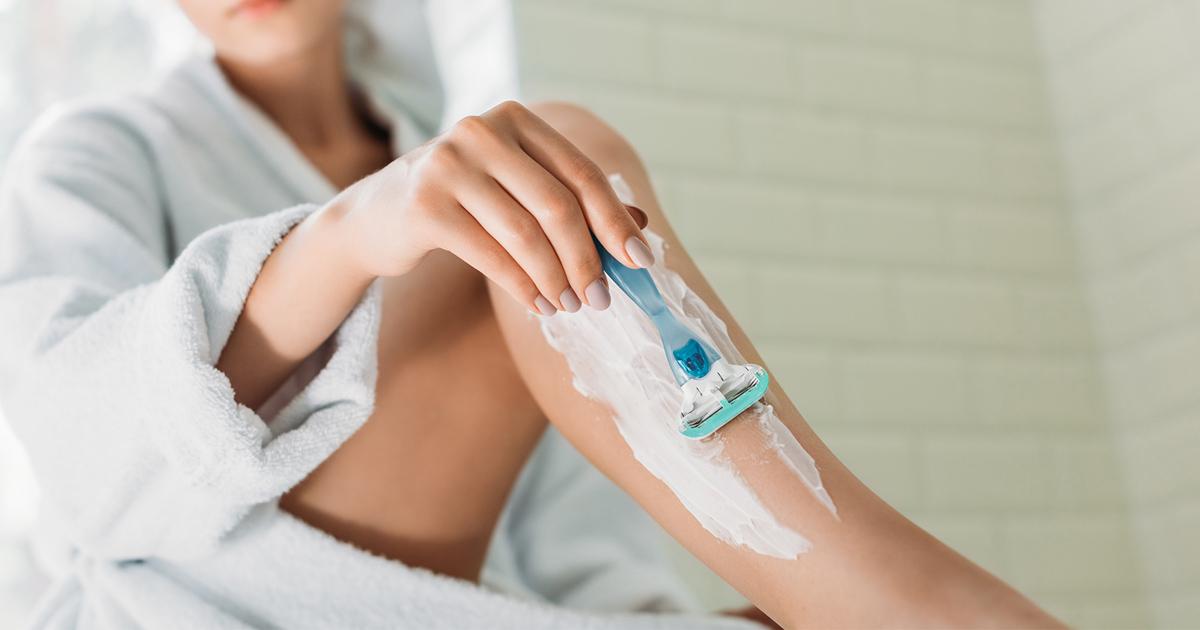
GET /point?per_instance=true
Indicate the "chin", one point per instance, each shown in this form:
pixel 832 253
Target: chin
pixel 274 44
pixel 267 31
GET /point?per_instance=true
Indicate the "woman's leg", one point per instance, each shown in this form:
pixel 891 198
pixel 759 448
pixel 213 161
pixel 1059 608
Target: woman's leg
pixel 425 479
pixel 869 566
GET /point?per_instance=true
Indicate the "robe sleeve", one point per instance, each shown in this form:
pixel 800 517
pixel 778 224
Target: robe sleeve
pixel 108 343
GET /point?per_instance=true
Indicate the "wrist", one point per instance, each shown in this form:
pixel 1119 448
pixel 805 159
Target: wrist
pixel 332 226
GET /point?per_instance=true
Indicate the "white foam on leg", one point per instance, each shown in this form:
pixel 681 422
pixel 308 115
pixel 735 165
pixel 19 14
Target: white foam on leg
pixel 616 358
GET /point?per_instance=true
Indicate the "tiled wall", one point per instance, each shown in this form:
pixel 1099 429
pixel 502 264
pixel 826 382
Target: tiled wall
pixel 1126 83
pixel 874 187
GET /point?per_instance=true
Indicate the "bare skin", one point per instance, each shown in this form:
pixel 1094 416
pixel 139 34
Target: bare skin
pixel 421 482
pixel 870 567
pixel 386 489
pixel 473 231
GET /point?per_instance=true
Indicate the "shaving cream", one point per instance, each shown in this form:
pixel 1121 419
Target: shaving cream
pixel 616 358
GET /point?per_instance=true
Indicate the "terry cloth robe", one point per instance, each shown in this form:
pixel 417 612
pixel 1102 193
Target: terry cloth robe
pixel 131 231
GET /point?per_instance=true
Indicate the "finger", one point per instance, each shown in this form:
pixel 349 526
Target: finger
pixel 557 211
pixel 522 236
pixel 461 235
pixel 639 216
pixel 605 214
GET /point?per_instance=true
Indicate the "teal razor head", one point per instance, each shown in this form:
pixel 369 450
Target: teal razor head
pixel 715 392
pixel 729 409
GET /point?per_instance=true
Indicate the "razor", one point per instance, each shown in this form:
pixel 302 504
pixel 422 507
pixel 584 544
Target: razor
pixel 714 390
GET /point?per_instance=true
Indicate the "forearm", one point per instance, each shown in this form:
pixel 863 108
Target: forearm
pixel 304 291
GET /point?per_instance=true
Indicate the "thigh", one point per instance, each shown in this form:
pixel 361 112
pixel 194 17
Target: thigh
pixel 425 479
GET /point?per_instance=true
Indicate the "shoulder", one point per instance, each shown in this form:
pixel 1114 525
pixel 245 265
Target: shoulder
pixel 126 129
pixel 116 140
pixel 101 135
pixel 84 161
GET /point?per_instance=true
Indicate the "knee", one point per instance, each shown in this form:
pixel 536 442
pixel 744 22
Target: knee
pixel 564 112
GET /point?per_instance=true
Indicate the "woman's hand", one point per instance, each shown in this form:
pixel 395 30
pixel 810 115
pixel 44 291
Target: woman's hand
pixel 510 196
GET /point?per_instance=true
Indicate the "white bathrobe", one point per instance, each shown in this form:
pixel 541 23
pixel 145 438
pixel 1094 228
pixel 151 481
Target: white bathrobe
pixel 131 231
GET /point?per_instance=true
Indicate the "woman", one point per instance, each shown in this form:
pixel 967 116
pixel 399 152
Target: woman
pixel 269 348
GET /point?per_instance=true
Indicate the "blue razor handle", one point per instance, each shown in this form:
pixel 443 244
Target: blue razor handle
pixel 688 355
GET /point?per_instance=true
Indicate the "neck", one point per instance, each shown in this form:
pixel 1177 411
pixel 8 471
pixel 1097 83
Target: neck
pixel 308 96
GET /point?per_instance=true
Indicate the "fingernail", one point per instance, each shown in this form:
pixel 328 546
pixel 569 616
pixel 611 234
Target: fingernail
pixel 570 301
pixel 544 306
pixel 638 252
pixel 597 295
pixel 639 216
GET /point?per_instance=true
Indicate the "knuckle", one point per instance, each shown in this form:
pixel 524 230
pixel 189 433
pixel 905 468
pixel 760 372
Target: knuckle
pixel 585 267
pixel 443 156
pixel 422 197
pixel 586 172
pixel 525 231
pixel 558 204
pixel 471 128
pixel 511 109
pixel 495 263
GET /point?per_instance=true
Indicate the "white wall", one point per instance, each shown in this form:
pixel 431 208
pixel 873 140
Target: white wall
pixel 874 187
pixel 1126 81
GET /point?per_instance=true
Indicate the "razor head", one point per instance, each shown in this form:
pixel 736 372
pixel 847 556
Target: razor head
pixel 713 401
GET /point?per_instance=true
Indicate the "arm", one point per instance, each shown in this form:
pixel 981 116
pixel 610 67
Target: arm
pixel 113 346
pixel 107 351
pixel 303 293
pixel 501 191
pixel 868 566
